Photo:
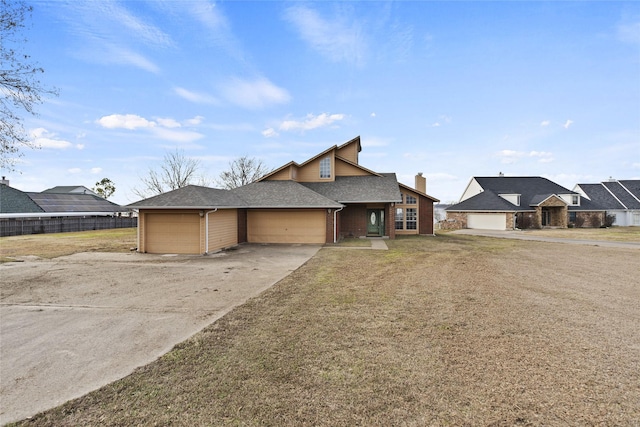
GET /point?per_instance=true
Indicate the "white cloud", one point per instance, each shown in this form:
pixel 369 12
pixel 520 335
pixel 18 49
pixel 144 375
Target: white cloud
pixel 567 124
pixel 545 123
pixel 125 121
pixel 194 121
pixel 74 170
pixel 163 128
pixel 373 114
pixel 45 139
pixel 168 123
pixel 195 97
pixel 512 156
pixel 176 136
pixel 96 170
pixel 442 119
pixel 80 146
pixel 269 133
pixel 337 39
pixel 310 122
pixel 254 94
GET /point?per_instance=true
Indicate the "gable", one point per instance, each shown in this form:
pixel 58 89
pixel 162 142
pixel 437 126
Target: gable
pixel 349 150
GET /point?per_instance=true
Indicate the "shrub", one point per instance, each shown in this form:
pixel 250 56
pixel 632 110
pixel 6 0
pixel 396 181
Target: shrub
pixel 609 220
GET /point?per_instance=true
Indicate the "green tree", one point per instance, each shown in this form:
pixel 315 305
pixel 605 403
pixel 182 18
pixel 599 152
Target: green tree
pixel 20 87
pixel 104 188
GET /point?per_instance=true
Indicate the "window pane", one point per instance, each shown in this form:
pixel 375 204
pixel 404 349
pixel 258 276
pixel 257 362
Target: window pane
pixel 325 168
pixel 399 219
pixel 412 217
pixel 410 200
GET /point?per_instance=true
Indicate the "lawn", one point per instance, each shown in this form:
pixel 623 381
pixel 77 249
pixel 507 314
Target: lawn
pixel 447 330
pixel 615 234
pixel 59 244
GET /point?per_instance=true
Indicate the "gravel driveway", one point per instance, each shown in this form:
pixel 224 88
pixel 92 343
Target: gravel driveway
pixel 72 324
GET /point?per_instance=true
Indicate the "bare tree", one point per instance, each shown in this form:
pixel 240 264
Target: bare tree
pixel 176 171
pixel 20 88
pixel 243 170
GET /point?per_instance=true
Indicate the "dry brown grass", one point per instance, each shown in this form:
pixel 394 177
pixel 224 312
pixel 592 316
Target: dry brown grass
pixel 60 244
pixel 615 234
pixel 451 330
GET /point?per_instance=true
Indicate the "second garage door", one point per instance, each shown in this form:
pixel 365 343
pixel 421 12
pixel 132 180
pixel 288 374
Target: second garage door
pixel 286 226
pixel 487 221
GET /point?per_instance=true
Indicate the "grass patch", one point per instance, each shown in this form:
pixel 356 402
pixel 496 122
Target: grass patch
pixel 59 244
pixel 614 234
pixel 435 331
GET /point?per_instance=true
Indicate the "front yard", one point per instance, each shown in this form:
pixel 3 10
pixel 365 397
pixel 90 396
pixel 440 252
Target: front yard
pixel 446 330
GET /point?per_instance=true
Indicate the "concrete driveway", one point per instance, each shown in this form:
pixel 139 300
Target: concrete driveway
pixel 73 324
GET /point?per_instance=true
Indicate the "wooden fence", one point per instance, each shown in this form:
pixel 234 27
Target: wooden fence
pixel 24 226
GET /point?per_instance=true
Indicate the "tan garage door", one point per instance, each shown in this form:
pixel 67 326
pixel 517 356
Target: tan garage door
pixel 172 233
pixel 487 221
pixel 223 229
pixel 286 226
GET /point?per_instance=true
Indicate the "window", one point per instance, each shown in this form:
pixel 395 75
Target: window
pixel 399 219
pixel 401 198
pixel 325 167
pixel 412 219
pixel 572 217
pixel 575 200
pixel 410 200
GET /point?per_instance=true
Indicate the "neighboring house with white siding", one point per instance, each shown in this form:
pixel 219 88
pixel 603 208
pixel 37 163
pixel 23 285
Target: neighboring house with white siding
pixel 620 199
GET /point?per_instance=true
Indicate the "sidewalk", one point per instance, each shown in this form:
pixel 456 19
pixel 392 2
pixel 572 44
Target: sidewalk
pixel 377 243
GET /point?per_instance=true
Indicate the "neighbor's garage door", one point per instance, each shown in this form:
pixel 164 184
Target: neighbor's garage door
pixel 286 226
pixel 172 233
pixel 488 221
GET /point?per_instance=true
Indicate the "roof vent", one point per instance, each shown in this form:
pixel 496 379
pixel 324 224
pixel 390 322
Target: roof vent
pixel 500 174
pixel 4 181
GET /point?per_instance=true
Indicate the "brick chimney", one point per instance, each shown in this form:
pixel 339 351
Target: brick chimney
pixel 421 183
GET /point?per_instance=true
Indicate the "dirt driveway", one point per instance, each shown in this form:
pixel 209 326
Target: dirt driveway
pixel 72 324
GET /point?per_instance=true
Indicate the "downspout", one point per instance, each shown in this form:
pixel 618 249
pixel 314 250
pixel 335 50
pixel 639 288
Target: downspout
pixel 206 230
pixel 335 224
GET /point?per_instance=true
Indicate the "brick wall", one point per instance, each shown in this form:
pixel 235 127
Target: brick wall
pixel 353 221
pixel 425 216
pixel 454 221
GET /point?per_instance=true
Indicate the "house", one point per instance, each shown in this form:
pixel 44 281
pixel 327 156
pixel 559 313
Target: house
pixel 56 211
pixel 505 203
pixel 620 199
pixel 326 198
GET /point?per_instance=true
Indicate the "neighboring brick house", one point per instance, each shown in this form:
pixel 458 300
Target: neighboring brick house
pixel 506 203
pixel 621 199
pixel 326 198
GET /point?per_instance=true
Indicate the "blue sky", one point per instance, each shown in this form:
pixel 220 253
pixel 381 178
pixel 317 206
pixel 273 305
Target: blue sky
pixel 451 89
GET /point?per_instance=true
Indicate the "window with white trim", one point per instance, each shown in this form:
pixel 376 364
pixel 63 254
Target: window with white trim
pixel 325 167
